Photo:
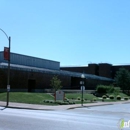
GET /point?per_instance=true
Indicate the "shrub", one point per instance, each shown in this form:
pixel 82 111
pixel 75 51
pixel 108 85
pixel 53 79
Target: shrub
pixel 126 98
pixel 51 101
pixel 111 97
pixel 110 89
pixel 73 102
pixel 94 99
pixel 63 103
pixel 105 89
pixel 101 89
pixel 79 98
pixel 67 100
pixel 104 96
pixel 118 97
pixel 46 101
pixel 116 91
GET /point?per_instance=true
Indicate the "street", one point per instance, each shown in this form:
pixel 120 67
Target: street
pixel 87 118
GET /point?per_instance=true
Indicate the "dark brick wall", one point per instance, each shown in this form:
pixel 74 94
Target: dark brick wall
pixel 105 70
pixel 102 69
pixel 29 80
pixel 93 69
pixel 20 79
pixel 3 78
pixel 90 84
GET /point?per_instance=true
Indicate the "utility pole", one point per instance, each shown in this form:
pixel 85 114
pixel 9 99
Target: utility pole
pixel 7 57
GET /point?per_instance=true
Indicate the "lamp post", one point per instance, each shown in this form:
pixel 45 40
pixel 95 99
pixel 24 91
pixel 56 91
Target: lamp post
pixel 82 87
pixel 8 58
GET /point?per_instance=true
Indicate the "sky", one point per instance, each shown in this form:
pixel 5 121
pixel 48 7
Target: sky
pixel 73 32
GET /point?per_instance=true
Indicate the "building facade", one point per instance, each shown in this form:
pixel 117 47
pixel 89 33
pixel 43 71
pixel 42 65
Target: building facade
pixel 102 69
pixel 31 74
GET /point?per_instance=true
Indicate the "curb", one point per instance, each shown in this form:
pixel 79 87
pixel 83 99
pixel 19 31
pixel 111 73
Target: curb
pixel 61 107
pixel 90 106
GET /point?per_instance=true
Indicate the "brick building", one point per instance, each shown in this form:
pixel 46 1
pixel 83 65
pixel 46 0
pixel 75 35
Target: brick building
pixel 102 69
pixel 33 74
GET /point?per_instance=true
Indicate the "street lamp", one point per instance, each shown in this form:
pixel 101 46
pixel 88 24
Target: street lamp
pixel 7 58
pixel 82 83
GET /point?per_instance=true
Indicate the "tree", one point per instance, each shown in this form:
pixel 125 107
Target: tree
pixel 122 79
pixel 56 83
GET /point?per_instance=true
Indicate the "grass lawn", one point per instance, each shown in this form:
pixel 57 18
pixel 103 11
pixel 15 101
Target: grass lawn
pixel 48 99
pixel 40 98
pixel 121 94
pixel 78 95
pixel 23 97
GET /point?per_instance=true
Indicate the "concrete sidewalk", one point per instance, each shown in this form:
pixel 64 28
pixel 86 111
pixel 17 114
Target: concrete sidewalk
pixel 59 107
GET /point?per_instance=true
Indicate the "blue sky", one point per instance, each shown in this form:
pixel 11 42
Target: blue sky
pixel 74 32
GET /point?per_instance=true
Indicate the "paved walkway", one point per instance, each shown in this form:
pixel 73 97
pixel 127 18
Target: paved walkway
pixel 59 107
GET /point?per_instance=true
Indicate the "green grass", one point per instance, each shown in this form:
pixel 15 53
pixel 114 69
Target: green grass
pixel 41 98
pixel 76 95
pixel 121 94
pixel 115 95
pixel 23 97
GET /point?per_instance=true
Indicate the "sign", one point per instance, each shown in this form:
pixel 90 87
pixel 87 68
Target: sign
pixel 8 87
pixel 59 95
pixel 6 53
pixel 81 82
pixel 82 88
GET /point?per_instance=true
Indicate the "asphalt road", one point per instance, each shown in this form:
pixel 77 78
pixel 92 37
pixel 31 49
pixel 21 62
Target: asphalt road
pixel 88 118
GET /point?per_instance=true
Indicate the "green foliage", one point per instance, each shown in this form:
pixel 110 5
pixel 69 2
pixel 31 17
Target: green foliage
pixel 63 103
pixel 66 100
pixel 51 101
pixel 56 83
pixel 111 97
pixel 116 91
pixel 118 97
pixel 110 89
pixel 105 89
pixel 78 98
pixel 126 98
pixel 122 79
pixel 46 101
pixel 101 89
pixel 94 99
pixel 24 97
pixel 104 96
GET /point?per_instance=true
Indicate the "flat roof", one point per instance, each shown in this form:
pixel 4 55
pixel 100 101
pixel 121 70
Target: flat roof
pixel 62 72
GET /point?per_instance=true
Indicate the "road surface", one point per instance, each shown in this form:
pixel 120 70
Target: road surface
pixel 87 118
